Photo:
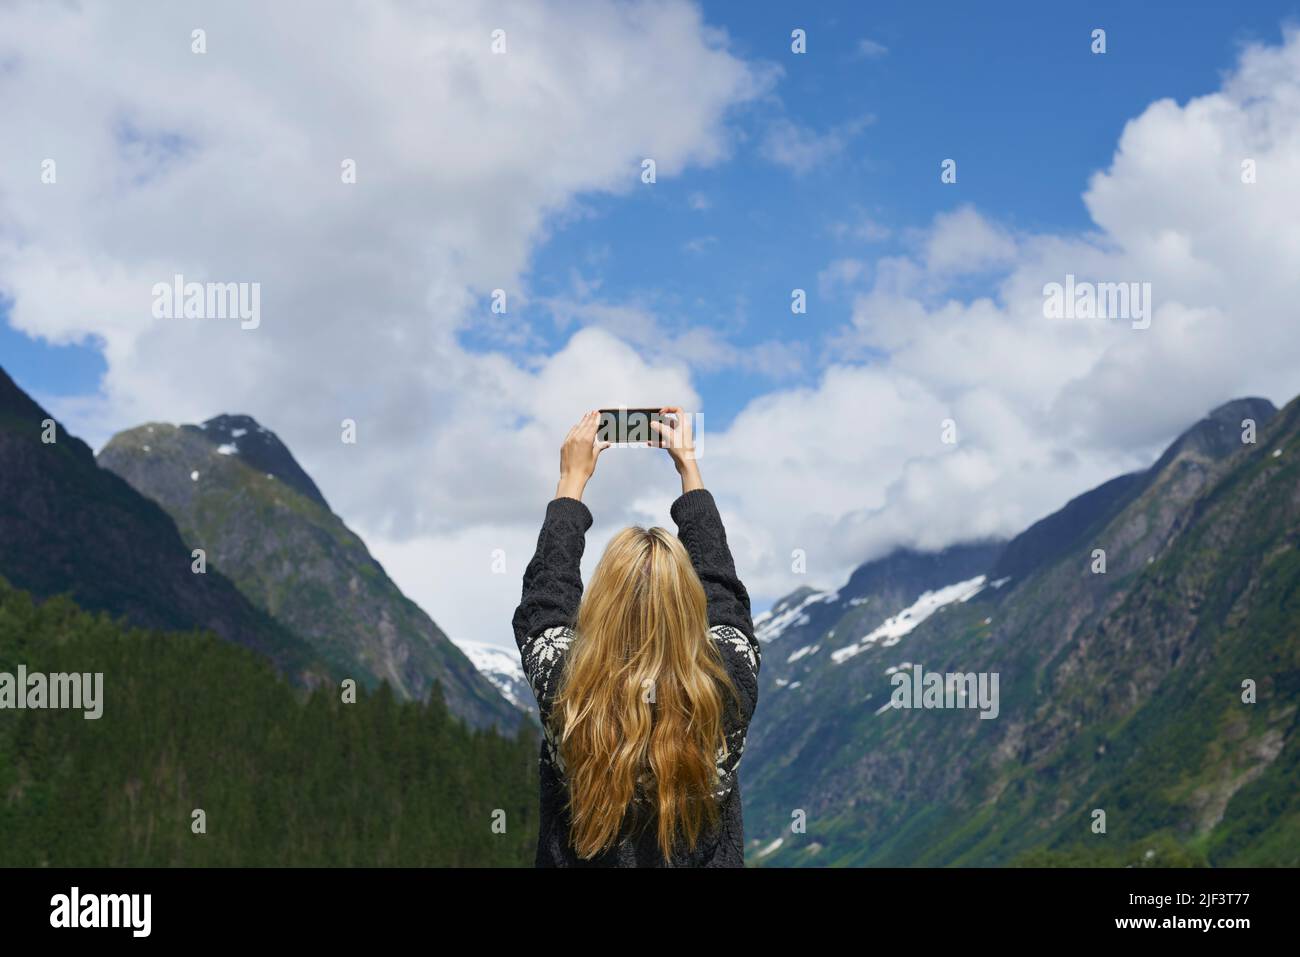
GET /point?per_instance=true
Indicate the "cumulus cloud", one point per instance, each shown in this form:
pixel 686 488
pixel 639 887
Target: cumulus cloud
pixel 1043 408
pixel 964 242
pixel 668 341
pixel 225 166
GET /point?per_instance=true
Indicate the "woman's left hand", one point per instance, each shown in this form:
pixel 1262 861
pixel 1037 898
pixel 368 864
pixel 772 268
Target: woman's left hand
pixel 578 456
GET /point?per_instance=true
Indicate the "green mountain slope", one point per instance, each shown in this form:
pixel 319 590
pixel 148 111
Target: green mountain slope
pixel 235 491
pixel 68 526
pixel 1118 692
pixel 284 778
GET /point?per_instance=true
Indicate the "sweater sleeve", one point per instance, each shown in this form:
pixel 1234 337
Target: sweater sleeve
pixel 552 592
pixel 699 526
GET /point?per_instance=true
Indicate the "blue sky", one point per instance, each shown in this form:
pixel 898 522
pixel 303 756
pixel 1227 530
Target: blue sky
pixel 779 171
pixel 1014 95
pixel 1017 98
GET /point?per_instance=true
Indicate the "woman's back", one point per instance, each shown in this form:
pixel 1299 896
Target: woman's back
pixel 653 709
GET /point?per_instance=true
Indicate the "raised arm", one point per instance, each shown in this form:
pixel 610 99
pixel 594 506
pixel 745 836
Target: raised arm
pixel 553 579
pixel 699 526
pixel 552 592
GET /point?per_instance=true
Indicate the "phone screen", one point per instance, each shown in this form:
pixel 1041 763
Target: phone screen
pixel 629 426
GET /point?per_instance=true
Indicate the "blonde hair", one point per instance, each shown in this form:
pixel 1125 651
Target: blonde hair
pixel 639 710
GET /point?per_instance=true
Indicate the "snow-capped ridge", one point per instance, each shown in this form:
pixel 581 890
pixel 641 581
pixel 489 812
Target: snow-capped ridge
pixel 770 625
pixel 892 630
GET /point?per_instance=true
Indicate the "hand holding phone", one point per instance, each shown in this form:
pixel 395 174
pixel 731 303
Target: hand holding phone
pixel 666 427
pixel 674 430
pixel 629 426
pixel 578 456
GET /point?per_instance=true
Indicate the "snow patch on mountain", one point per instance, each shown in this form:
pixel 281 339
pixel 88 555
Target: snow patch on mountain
pixel 805 650
pixel 502 667
pixel 892 631
pixel 770 625
pixel 771 847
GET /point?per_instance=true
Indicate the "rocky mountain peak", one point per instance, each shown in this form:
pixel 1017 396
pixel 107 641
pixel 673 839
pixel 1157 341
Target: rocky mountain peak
pixel 1218 435
pixel 259 447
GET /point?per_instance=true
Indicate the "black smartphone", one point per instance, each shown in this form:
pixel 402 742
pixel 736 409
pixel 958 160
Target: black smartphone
pixel 629 426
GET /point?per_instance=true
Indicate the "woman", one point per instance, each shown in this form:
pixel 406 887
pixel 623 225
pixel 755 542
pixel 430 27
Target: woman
pixel 646 686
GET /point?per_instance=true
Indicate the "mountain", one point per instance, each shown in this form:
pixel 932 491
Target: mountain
pixel 237 492
pixel 502 667
pixel 901 588
pixel 68 526
pixel 1119 691
pixel 1213 438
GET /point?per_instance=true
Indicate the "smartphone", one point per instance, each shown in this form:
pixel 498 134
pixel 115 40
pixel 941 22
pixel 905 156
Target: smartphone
pixel 630 426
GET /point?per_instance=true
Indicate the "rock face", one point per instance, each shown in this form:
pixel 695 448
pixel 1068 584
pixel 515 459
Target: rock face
pixel 237 492
pixel 69 527
pixel 1119 691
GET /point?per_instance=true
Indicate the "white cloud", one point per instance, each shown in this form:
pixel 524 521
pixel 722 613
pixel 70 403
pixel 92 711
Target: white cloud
pixel 225 166
pixel 963 242
pixel 1045 408
pixel 665 340
pixel 802 149
pixel 863 228
pixel 854 465
pixel 842 273
pixel 871 49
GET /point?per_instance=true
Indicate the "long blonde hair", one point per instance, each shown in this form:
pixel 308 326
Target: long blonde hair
pixel 639 710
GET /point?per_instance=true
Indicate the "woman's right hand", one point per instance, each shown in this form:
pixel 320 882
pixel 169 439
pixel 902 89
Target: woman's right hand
pixel 678 439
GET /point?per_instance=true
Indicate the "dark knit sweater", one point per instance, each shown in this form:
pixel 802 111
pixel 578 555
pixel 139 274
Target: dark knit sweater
pixel 543 625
